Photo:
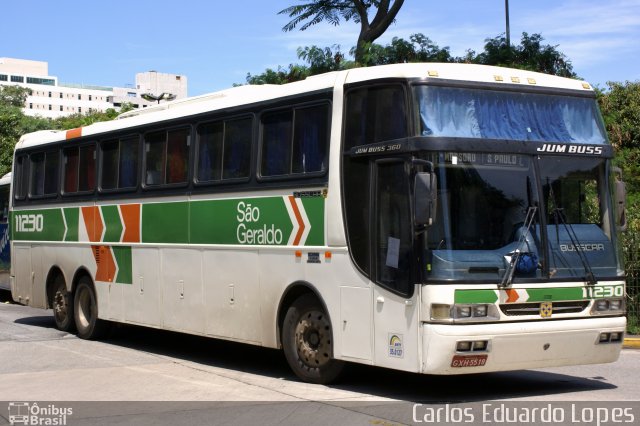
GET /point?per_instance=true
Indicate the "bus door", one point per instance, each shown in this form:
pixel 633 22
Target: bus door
pixel 395 297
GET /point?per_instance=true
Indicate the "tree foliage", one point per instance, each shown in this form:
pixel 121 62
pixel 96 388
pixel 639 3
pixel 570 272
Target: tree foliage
pixel 312 12
pixel 620 106
pixel 419 48
pixel 14 123
pixel 530 54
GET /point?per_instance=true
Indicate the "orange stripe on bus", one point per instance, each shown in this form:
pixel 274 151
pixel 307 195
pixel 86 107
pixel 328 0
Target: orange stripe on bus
pixel 131 218
pixel 93 223
pixel 512 295
pixel 74 133
pixel 106 264
pixel 296 211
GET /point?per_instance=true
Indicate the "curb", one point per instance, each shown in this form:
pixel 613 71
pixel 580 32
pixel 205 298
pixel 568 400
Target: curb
pixel 631 343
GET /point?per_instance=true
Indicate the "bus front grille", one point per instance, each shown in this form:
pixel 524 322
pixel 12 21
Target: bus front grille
pixel 520 309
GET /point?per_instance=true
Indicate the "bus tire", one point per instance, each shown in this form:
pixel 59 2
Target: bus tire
pixel 307 341
pixel 86 311
pixel 62 305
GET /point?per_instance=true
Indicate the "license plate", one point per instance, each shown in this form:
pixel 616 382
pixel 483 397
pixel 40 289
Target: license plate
pixel 469 360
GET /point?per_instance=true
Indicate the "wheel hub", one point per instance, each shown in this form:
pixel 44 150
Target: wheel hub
pixel 313 339
pixel 60 304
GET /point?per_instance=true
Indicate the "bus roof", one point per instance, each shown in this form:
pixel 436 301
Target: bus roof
pixel 249 94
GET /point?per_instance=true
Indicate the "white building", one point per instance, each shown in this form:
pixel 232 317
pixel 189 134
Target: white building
pixel 52 99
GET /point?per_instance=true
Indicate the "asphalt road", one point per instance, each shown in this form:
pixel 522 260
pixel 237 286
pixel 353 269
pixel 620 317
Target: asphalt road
pixel 204 380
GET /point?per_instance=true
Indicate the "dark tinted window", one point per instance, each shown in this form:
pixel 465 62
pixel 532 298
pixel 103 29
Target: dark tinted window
pixel 294 141
pixel 166 157
pixel 224 150
pixel 21 177
pixel 119 163
pixel 44 173
pixel 375 114
pixel 79 169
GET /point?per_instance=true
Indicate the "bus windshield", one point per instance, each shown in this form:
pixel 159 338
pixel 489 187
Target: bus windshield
pixel 488 210
pixel 491 114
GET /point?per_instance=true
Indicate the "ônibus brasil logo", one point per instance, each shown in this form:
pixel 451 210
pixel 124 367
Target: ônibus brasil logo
pixel 32 413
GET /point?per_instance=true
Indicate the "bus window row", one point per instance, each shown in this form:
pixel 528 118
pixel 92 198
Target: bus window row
pixel 294 144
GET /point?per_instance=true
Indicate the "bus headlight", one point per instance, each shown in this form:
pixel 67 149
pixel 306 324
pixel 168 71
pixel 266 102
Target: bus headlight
pixel 463 313
pixel 607 306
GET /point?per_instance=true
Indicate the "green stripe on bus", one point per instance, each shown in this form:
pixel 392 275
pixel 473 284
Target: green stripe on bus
pixel 165 223
pixel 38 225
pixel 315 212
pixel 113 224
pixel 71 216
pixel 278 220
pixel 475 296
pixel 123 259
pixel 554 294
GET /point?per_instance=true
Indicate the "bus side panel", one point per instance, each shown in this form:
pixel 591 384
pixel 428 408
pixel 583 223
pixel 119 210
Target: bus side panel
pixel 21 259
pixel 39 255
pixel 182 296
pixel 232 294
pixel 142 298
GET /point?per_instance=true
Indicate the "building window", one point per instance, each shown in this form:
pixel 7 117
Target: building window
pixel 37 80
pixel 30 106
pixel 79 97
pixel 49 107
pixel 3 77
pixel 17 79
pixel 89 97
pixel 61 108
pixel 60 95
pixel 49 94
pixel 79 110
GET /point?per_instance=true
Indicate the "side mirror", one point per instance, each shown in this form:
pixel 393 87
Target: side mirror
pixel 424 199
pixel 620 200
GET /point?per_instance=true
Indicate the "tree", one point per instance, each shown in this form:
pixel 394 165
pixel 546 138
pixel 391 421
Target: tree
pixel 14 123
pixel 530 54
pixel 14 96
pixel 313 12
pixel 419 48
pixel 620 107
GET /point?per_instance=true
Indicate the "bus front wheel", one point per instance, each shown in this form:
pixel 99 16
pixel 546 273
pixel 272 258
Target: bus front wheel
pixel 307 341
pixel 86 311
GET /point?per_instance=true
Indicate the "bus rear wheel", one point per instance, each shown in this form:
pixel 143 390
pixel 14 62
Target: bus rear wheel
pixel 62 305
pixel 307 340
pixel 86 311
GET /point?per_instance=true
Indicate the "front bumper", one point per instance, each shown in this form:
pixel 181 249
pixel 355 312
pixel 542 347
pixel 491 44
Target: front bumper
pixel 522 345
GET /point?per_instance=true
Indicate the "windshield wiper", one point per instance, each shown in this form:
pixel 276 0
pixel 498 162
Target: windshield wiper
pixel 515 255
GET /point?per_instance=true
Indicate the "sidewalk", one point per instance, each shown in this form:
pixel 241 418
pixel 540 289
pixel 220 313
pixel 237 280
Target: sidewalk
pixel 631 342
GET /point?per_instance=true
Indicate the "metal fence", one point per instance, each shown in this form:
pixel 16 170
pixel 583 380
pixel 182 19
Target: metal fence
pixel 631 243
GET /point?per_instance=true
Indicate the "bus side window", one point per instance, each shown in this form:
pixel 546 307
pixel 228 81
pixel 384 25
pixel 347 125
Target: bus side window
pixel 166 157
pixel 44 173
pixel 237 148
pixel 310 139
pixel 21 178
pixel 294 141
pixel 276 143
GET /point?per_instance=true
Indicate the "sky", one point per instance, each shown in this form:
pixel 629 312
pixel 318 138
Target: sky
pixel 215 43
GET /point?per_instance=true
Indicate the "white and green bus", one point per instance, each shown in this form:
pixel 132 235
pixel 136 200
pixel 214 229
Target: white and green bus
pixel 432 218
